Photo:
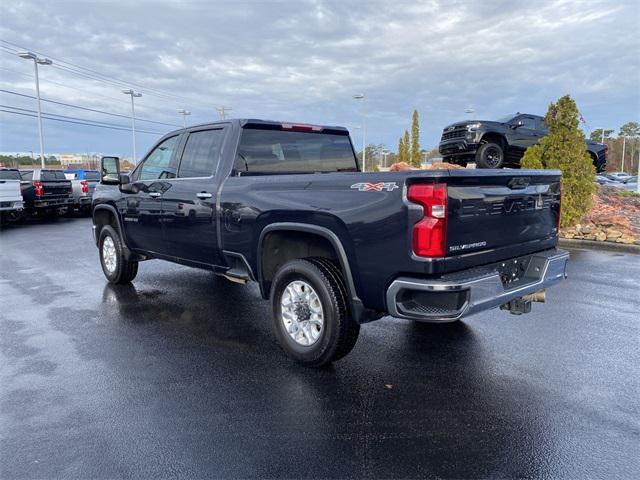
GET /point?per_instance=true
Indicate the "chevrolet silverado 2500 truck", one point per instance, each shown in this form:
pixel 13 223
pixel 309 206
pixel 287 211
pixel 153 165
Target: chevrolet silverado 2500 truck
pixel 286 206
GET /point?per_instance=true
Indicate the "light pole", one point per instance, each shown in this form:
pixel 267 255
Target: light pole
pixel 624 144
pixel 184 116
pixel 133 120
pixel 37 61
pixel 360 96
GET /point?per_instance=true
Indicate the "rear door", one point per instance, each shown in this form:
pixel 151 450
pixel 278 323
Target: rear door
pixel 143 205
pixel 493 211
pixel 525 135
pixel 189 202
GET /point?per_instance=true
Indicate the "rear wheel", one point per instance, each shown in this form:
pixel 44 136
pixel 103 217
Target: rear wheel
pixel 490 155
pixel 115 266
pixel 310 314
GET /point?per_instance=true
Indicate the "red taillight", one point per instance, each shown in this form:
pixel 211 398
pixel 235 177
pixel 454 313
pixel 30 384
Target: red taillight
pixel 39 188
pixel 85 186
pixel 430 233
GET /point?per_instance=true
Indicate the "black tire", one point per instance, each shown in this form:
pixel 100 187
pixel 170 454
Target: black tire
pixel 490 155
pixel 124 271
pixel 339 332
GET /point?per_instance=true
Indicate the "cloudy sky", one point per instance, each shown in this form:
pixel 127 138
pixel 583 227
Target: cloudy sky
pixel 303 60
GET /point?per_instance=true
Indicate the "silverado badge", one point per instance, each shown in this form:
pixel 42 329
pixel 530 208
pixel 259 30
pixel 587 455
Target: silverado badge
pixel 376 187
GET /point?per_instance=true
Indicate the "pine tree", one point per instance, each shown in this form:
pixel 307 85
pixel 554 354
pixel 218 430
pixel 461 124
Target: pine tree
pixel 406 146
pixel 563 148
pixel 415 140
pixel 399 157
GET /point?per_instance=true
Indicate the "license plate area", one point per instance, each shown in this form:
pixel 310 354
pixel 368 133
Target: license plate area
pixel 512 271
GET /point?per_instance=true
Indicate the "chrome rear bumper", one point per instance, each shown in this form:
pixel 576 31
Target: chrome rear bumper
pixel 464 293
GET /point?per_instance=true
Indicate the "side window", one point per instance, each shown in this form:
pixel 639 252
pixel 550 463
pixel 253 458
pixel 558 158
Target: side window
pixel 542 126
pixel 201 154
pixel 158 163
pixel 528 122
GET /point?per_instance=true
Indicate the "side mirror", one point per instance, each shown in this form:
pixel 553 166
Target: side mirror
pixel 110 170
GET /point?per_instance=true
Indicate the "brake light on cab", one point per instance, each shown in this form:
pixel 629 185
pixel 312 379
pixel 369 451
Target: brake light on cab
pixel 430 233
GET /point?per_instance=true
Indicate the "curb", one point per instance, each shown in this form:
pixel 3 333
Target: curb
pixel 611 246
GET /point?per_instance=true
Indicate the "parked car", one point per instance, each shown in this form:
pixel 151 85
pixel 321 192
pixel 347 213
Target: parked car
pixel 604 180
pixel 46 191
pixel 629 183
pixel 502 143
pixel 11 203
pixel 618 176
pixel 285 205
pixel 83 183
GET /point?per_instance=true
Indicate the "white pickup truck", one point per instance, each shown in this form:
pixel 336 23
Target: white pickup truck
pixel 11 203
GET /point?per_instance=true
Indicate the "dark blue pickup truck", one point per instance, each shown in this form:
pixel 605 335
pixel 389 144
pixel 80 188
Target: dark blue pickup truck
pixel 286 205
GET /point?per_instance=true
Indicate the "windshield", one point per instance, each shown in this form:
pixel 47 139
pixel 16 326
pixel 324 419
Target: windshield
pixel 279 151
pixel 506 118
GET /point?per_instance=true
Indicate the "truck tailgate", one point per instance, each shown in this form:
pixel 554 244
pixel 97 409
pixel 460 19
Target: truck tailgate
pixel 10 191
pixel 488 212
pixel 56 188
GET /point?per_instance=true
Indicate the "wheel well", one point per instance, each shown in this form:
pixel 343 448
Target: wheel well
pixel 102 217
pixel 280 247
pixel 494 138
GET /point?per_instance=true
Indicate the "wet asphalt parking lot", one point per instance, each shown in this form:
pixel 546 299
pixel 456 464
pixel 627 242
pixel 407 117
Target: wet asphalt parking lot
pixel 178 375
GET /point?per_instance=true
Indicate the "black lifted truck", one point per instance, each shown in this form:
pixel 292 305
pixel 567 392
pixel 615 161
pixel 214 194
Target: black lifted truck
pixel 502 143
pixel 285 205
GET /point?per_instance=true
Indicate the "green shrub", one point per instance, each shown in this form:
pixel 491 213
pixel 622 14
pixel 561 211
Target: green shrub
pixel 564 149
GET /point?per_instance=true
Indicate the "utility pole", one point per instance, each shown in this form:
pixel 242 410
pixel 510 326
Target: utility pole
pixel 133 121
pixel 223 111
pixel 360 96
pixel 37 61
pixel 184 116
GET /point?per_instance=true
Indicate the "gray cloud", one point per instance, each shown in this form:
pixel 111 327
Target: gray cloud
pixel 303 60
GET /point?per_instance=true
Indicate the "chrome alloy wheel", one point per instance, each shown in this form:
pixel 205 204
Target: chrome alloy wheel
pixel 109 254
pixel 302 314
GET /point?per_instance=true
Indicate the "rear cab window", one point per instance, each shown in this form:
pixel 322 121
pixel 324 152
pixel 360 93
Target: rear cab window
pixel 271 150
pixel 49 175
pixel 9 175
pixel 92 176
pixel 27 175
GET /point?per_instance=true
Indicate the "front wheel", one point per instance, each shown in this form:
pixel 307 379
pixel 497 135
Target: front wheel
pixel 115 266
pixel 490 155
pixel 310 315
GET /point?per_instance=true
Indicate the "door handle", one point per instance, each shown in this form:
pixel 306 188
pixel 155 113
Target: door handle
pixel 203 195
pixel 154 194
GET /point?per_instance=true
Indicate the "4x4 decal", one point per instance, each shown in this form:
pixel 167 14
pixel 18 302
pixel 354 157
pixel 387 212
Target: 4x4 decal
pixel 376 187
